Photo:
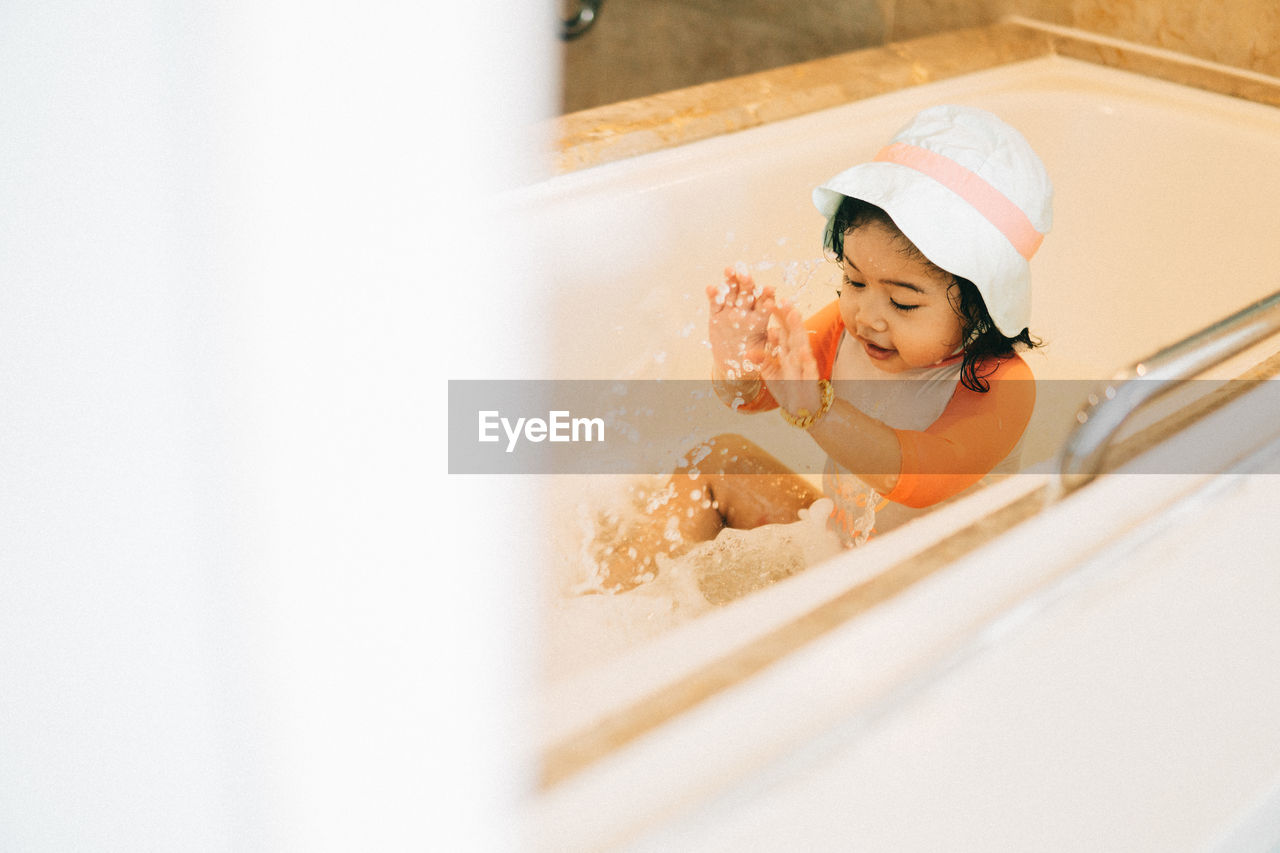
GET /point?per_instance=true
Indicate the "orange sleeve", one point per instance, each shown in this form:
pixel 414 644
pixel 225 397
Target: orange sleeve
pixel 825 328
pixel 974 433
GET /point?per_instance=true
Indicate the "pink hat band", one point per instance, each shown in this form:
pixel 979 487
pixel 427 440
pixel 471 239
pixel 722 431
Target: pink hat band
pixel 994 205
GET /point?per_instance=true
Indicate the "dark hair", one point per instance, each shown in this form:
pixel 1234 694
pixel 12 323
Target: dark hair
pixel 983 342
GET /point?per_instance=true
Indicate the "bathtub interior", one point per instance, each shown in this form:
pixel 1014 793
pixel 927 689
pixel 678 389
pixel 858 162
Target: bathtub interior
pixel 1163 224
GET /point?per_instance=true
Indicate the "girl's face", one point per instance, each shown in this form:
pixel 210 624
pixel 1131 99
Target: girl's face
pixel 895 305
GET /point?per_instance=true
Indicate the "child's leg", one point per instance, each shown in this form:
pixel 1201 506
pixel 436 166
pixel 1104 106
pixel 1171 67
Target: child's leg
pixel 738 484
pixel 735 484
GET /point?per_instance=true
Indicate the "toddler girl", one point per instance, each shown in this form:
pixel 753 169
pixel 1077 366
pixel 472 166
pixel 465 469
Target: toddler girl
pixel 933 238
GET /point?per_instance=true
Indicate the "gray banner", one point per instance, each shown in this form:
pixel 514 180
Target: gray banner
pixel 651 426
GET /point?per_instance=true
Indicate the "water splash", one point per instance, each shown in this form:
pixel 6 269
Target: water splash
pixel 796 273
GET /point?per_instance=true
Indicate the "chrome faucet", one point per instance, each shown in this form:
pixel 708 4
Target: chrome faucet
pixel 582 21
pixel 1097 423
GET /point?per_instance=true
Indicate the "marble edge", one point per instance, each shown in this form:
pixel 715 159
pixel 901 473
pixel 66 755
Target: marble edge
pixel 629 128
pixel 1189 72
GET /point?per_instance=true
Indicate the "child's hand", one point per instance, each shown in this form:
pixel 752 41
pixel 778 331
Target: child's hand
pixel 791 372
pixel 738 330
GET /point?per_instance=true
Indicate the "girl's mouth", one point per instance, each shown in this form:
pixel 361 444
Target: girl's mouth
pixel 878 353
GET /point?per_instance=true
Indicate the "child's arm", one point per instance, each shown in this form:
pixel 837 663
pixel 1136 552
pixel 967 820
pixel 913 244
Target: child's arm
pixel 913 467
pixel 857 441
pixel 974 434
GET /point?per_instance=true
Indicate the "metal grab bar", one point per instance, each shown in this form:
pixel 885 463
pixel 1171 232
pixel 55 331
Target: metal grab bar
pixel 1107 410
pixel 582 21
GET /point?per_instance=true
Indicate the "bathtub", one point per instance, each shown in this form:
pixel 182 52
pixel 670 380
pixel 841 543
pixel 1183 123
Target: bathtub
pixel 1165 221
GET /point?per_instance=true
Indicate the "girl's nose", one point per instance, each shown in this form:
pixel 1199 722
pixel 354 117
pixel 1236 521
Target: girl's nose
pixel 873 320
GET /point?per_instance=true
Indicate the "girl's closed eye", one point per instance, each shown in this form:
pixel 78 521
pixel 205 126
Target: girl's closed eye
pixel 858 285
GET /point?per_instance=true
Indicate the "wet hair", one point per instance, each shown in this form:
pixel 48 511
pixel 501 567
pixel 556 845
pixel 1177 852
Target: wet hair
pixel 984 343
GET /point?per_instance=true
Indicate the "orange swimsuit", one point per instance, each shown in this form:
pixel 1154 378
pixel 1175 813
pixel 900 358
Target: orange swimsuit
pixel 974 433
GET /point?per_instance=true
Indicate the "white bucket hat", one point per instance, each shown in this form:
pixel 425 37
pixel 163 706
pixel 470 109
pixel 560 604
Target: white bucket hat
pixel 969 192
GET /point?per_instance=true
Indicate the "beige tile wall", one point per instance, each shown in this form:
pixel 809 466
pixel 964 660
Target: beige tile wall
pixel 1243 33
pixel 639 47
